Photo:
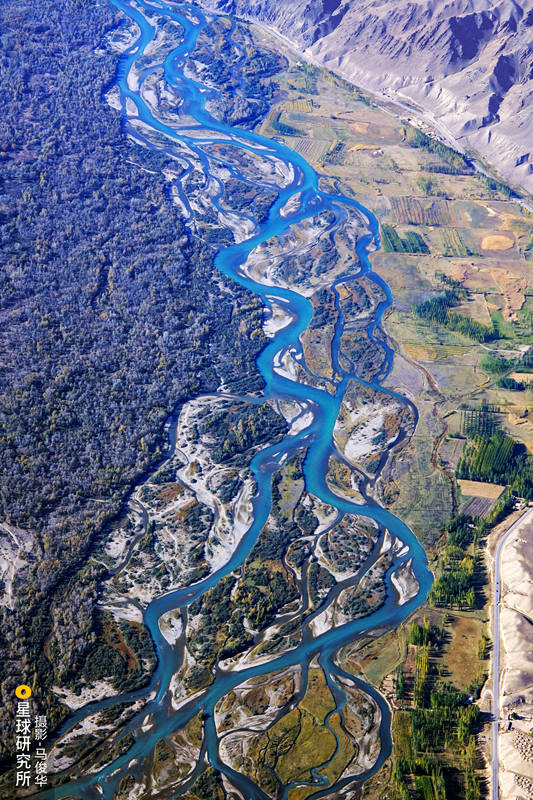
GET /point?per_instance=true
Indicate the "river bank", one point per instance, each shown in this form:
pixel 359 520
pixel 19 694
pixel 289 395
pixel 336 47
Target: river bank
pixel 328 363
pixel 301 230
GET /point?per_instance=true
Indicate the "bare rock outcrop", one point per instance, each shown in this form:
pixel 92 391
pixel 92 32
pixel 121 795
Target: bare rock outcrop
pixel 469 64
pixel 516 698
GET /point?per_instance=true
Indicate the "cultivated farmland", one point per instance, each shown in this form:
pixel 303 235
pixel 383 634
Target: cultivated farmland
pixel 413 211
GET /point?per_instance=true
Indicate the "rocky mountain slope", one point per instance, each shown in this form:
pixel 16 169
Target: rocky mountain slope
pixel 467 63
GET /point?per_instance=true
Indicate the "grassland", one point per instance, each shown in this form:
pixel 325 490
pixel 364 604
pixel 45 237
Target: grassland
pixel 459 656
pixel 378 659
pixel 300 741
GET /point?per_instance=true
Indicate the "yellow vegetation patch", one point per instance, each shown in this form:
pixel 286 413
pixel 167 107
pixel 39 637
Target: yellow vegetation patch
pixel 181 513
pixel 419 352
pixel 169 492
pixel 403 734
pixel 318 700
pixel 299 105
pixel 300 740
pixel 497 242
pixel 344 754
pixel 523 377
pixel 357 147
pixel 301 792
pixel 332 146
pixel 343 291
pixel 513 287
pixel 480 489
pixel 114 638
pixel 466 632
pixel 315 743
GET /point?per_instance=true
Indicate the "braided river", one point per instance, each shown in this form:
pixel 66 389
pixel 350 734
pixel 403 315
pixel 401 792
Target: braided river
pixel 191 137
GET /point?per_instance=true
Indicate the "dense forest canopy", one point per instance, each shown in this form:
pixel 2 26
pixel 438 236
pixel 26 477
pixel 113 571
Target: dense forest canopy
pixel 110 314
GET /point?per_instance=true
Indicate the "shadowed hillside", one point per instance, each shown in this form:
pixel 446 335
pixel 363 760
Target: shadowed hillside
pixel 469 63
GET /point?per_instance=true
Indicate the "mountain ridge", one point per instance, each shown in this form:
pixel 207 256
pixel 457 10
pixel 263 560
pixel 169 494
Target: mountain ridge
pixel 469 64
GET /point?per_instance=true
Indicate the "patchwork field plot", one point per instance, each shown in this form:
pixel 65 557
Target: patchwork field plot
pixel 480 489
pixel 497 242
pixel 299 105
pixel 476 308
pixel 312 149
pixel 409 242
pixel 450 452
pixel 414 211
pixel 478 507
pixel 482 497
pixel 454 243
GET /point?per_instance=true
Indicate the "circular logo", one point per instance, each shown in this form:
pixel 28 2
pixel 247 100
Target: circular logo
pixel 23 692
